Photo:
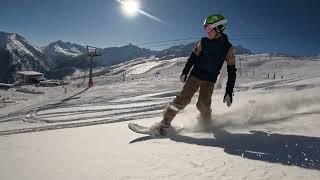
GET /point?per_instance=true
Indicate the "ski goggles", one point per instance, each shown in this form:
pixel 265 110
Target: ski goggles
pixel 209 27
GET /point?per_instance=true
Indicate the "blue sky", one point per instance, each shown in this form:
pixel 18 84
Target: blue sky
pixel 288 26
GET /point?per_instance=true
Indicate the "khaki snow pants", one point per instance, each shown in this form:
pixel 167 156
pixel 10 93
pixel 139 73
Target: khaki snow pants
pixel 190 87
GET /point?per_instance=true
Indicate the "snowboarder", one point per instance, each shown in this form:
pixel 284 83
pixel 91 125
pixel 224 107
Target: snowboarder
pixel 201 71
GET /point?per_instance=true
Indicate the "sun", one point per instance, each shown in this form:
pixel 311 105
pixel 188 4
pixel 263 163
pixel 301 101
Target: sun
pixel 131 7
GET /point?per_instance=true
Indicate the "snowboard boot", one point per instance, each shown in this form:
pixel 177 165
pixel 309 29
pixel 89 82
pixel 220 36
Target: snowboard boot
pixel 160 128
pixel 204 122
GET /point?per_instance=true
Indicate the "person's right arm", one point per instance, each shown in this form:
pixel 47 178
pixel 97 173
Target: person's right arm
pixel 193 57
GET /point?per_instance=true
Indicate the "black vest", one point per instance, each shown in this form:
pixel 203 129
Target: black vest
pixel 214 51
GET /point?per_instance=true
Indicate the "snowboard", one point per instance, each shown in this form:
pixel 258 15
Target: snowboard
pixel 145 130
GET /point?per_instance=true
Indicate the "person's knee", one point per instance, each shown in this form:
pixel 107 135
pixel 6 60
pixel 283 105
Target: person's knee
pixel 181 103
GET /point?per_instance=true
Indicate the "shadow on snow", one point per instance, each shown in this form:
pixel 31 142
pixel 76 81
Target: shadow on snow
pixel 290 150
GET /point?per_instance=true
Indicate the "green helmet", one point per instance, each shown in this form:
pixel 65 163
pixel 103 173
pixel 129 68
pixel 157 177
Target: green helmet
pixel 217 21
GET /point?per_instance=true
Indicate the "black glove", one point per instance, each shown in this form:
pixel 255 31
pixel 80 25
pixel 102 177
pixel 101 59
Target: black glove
pixel 230 84
pixel 228 98
pixel 183 77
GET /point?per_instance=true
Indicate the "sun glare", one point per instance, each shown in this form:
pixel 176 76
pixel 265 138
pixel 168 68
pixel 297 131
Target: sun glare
pixel 130 7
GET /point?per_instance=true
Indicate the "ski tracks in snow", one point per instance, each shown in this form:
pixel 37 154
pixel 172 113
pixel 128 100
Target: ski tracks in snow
pixel 67 115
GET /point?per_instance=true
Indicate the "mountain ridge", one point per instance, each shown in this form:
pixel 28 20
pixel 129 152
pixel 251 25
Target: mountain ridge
pixel 59 58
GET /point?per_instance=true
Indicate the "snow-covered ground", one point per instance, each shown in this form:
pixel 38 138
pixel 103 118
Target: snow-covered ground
pixel 270 132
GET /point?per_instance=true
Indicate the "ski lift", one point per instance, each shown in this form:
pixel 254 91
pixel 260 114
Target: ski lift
pixel 91 53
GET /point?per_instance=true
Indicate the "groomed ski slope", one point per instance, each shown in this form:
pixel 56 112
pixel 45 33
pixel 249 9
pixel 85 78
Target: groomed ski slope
pixel 270 132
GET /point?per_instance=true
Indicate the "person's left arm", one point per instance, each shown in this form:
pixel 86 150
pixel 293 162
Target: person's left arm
pixel 232 75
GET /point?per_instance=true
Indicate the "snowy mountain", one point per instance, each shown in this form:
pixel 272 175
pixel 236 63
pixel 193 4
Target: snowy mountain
pixel 70 56
pixel 115 55
pixel 64 58
pixel 176 51
pixel 65 51
pixel 185 50
pixel 241 50
pixel 59 50
pixel 17 54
